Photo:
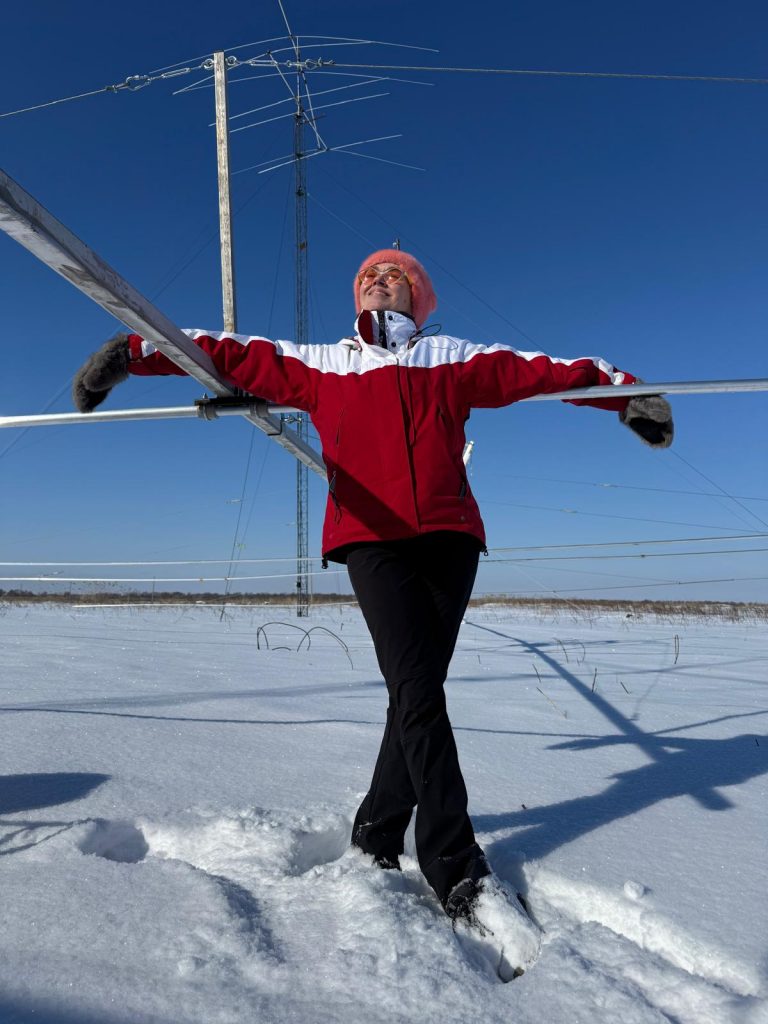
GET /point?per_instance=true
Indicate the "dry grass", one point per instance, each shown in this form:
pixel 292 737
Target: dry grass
pixel 732 611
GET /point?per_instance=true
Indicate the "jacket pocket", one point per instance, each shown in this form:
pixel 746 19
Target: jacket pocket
pixel 333 479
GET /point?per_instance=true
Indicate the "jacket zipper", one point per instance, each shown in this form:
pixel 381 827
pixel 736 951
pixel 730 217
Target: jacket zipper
pixel 407 421
pixel 334 499
pixel 464 487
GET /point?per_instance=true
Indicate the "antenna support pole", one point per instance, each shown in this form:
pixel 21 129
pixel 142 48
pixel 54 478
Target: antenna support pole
pixel 225 205
pixel 302 337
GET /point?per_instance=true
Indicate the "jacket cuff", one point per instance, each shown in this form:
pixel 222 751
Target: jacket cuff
pixel 134 347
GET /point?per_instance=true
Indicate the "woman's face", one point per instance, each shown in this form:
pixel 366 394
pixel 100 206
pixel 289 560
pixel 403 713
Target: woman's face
pixel 378 291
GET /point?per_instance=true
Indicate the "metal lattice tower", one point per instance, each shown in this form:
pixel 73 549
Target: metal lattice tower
pixel 302 476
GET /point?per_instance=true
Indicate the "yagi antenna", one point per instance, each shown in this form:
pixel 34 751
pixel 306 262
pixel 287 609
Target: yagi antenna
pixel 51 242
pixel 294 73
pixel 305 115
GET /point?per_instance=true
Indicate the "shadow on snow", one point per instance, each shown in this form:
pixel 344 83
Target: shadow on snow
pixel 32 792
pixel 679 766
pixel 34 1011
pixel 694 769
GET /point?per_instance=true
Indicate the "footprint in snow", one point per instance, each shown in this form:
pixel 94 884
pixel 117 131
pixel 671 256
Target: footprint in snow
pixel 118 841
pixel 314 847
pixel 242 922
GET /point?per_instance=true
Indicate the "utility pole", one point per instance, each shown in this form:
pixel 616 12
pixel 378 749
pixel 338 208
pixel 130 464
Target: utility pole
pixel 225 205
pixel 225 222
pixel 220 63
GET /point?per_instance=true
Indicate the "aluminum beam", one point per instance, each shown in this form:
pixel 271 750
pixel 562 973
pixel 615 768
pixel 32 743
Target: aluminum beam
pixel 691 387
pixel 263 408
pixel 65 419
pixel 32 226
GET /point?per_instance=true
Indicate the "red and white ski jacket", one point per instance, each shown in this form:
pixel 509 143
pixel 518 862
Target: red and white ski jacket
pixel 390 412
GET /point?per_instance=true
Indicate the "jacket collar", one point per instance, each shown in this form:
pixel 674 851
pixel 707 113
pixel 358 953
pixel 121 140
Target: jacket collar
pixel 387 329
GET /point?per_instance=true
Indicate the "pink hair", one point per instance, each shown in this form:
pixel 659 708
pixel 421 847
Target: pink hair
pixel 423 298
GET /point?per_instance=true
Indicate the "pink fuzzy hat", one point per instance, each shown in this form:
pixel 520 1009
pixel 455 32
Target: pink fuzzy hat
pixel 423 296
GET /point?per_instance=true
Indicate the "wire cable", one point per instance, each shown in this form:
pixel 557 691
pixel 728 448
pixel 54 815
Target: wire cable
pixel 316 558
pixel 723 79
pixel 240 510
pixel 644 586
pixel 489 561
pixel 643 555
pixel 135 82
pixel 721 489
pixel 153 579
pixel 22 433
pixel 336 217
pixel 620 487
pixel 278 261
pixel 53 103
pixel 267 450
pixel 347 151
pixel 605 515
pixel 615 543
pixel 292 575
pixel 420 249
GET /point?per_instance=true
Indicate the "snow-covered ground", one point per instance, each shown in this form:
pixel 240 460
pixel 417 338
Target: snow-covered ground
pixel 177 788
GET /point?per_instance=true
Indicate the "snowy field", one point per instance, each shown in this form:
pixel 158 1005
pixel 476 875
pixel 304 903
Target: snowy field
pixel 176 795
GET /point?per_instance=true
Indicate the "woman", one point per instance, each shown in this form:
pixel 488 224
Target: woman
pixel 389 405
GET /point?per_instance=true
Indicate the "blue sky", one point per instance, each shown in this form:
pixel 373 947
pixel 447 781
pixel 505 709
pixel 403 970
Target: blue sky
pixel 620 218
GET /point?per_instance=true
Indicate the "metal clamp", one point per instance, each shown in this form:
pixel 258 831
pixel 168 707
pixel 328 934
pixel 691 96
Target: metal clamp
pixel 211 408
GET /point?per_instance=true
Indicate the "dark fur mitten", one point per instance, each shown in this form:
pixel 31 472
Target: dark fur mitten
pixel 650 416
pixel 96 378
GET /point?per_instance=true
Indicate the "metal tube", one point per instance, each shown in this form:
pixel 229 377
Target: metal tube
pixel 32 226
pixel 607 391
pixel 25 220
pixel 65 419
pixel 693 387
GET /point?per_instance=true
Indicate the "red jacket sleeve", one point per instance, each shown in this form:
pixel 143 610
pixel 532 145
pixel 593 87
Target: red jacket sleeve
pixel 496 375
pixel 278 371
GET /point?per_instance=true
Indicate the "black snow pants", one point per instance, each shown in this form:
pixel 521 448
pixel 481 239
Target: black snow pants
pixel 413 594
